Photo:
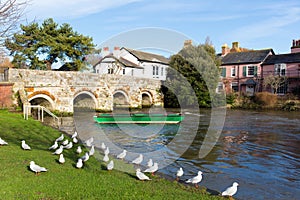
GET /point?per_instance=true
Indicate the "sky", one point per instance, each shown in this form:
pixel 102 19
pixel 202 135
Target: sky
pixel 165 24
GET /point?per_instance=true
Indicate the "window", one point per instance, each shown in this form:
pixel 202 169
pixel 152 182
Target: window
pixel 232 72
pixel 220 87
pixel 279 69
pixel 153 69
pixel 123 70
pixel 132 72
pixel 234 87
pixel 162 71
pixel 157 70
pixel 110 71
pixel 223 72
pixel 250 71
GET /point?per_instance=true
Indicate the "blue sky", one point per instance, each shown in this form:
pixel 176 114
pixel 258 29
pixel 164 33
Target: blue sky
pixel 254 24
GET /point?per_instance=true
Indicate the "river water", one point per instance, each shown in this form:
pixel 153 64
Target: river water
pixel 259 150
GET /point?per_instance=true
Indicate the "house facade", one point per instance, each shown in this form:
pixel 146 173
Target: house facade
pixel 286 66
pixel 129 62
pixel 241 69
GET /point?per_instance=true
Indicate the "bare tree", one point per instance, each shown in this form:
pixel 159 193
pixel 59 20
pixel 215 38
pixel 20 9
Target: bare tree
pixel 274 81
pixel 11 12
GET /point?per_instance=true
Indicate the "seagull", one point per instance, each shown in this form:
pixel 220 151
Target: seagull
pixel 61 159
pixel 59 150
pixel 2 142
pixel 60 138
pixel 74 135
pixel 152 169
pixel 179 173
pixel 36 168
pixel 92 150
pixel 54 146
pixel 150 163
pixel 85 157
pixel 65 142
pixel 106 158
pixel 79 150
pixel 110 165
pixel 230 191
pixel 138 160
pixel 89 142
pixel 69 146
pixel 25 146
pixel 75 140
pixel 122 155
pixel 195 179
pixel 79 163
pixel 141 175
pixel 106 151
pixel 103 146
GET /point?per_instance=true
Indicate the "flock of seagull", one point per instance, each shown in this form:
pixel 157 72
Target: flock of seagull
pixel 152 167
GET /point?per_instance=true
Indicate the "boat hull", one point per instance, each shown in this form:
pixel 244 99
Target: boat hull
pixel 138 118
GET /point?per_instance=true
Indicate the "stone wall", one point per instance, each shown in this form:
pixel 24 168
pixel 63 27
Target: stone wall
pixel 60 88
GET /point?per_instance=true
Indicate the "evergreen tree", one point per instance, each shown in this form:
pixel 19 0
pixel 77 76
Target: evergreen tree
pixel 38 47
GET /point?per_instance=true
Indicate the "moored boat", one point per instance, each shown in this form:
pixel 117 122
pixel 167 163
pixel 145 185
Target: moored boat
pixel 138 118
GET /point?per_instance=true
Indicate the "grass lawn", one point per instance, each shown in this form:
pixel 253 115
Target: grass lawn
pixel 65 181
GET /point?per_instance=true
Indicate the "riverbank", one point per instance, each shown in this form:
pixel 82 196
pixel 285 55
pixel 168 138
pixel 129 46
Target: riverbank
pixel 66 181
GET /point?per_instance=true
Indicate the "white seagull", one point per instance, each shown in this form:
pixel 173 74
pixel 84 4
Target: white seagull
pixel 36 168
pixel 106 158
pixel 179 173
pixel 103 146
pixel 65 142
pixel 230 191
pixel 92 151
pixel 79 163
pixel 79 150
pixel 110 165
pixel 60 138
pixel 54 146
pixel 138 160
pixel 75 140
pixel 74 135
pixel 122 155
pixel 150 163
pixel 106 151
pixel 61 159
pixel 59 150
pixel 89 142
pixel 25 146
pixel 85 157
pixel 69 146
pixel 152 169
pixel 141 175
pixel 2 142
pixel 195 179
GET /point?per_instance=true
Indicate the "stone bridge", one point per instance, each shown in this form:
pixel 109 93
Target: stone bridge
pixel 60 91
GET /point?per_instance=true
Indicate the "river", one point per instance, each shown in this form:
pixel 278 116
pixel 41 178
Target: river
pixel 258 149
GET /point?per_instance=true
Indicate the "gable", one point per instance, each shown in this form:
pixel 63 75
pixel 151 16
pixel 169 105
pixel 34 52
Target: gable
pixel 282 58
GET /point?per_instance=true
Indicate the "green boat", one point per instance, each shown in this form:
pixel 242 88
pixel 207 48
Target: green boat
pixel 138 118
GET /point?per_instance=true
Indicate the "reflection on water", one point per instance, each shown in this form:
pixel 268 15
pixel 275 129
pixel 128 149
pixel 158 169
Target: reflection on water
pixel 259 150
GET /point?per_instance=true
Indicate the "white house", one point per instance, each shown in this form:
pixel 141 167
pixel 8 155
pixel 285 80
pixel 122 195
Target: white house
pixel 131 62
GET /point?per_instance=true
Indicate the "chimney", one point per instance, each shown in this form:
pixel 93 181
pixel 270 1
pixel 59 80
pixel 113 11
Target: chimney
pixel 105 51
pixel 295 46
pixel 235 45
pixel 187 43
pixel 116 52
pixel 225 49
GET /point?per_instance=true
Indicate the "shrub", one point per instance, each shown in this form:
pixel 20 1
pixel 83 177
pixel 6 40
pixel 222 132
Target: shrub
pixel 265 99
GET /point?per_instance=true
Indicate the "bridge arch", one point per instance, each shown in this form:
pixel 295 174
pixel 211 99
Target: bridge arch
pixel 82 99
pixel 42 100
pixel 147 99
pixel 120 98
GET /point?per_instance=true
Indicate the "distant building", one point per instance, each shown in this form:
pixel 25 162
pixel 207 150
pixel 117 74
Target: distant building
pixel 129 62
pixel 241 69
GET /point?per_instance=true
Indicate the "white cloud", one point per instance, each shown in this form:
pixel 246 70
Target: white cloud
pixel 41 9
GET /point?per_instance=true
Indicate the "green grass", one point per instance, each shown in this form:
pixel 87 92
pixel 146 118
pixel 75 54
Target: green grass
pixel 65 181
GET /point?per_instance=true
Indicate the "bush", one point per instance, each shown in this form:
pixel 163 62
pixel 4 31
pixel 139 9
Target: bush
pixel 265 99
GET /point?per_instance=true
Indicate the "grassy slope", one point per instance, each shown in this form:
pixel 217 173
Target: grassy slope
pixel 66 181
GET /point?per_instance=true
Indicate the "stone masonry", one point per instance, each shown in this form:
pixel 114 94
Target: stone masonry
pixel 61 88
